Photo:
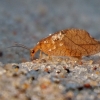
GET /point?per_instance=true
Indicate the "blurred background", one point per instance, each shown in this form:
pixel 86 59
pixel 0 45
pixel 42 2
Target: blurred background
pixel 28 21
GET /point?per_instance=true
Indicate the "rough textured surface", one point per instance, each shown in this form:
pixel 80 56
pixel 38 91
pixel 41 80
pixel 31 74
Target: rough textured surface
pixel 27 22
pixel 44 79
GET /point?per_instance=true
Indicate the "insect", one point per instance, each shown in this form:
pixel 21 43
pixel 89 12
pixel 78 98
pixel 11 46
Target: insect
pixel 70 42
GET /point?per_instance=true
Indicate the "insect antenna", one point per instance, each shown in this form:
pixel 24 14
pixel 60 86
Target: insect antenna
pixel 19 45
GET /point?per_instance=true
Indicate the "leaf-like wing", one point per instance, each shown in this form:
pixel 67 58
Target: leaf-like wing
pixel 80 42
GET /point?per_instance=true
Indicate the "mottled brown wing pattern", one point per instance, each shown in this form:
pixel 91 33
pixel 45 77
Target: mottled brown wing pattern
pixel 81 42
pixel 53 47
pixel 70 42
pixel 79 36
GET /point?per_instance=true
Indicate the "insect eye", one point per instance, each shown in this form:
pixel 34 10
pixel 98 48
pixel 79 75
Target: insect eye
pixel 32 51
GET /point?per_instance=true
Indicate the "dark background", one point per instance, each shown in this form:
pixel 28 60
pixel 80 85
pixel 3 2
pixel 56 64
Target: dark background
pixel 28 21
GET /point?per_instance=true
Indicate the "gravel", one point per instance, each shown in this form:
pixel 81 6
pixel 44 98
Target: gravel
pixel 57 78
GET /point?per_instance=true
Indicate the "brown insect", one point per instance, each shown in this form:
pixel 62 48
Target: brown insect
pixel 70 42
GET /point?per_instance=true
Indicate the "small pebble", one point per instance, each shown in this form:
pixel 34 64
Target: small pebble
pixel 1 53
